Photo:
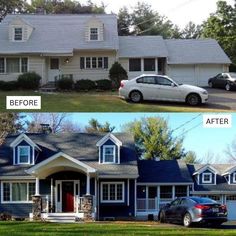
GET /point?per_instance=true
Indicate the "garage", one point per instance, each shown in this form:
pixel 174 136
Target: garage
pixel 183 74
pixel 231 207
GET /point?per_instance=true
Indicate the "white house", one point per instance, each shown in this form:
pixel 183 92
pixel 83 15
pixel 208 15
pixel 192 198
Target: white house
pixel 85 46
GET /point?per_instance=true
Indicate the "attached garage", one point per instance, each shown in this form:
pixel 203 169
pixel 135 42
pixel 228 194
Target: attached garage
pixel 231 207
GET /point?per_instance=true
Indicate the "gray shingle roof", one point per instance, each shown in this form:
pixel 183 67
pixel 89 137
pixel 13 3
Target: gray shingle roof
pixel 142 46
pixel 192 51
pixel 81 146
pixel 221 185
pixel 59 34
pixel 169 171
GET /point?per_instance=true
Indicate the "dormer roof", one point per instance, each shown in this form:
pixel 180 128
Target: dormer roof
pixel 111 137
pixel 204 168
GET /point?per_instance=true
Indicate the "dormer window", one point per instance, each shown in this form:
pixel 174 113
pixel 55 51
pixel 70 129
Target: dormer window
pixel 93 34
pixel 18 34
pixel 23 155
pixel 234 178
pixel 206 178
pixel 109 154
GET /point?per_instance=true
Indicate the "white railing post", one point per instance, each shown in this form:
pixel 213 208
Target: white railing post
pixel 88 184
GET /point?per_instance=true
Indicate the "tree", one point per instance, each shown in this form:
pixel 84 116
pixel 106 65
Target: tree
pixel 96 127
pixel 231 151
pixel 124 22
pixel 190 158
pixel 154 140
pixel 117 73
pixel 11 6
pixel 10 123
pixel 191 31
pixel 58 123
pixel 222 26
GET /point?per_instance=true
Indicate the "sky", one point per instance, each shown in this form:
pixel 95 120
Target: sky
pixel 180 12
pixel 200 140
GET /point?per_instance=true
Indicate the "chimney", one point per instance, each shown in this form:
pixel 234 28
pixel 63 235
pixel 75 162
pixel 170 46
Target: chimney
pixel 46 129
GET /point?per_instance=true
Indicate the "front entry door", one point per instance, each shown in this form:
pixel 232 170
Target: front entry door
pixel 68 196
pixel 54 69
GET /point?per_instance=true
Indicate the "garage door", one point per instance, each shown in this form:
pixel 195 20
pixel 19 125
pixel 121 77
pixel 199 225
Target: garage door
pixel 183 74
pixel 231 207
pixel 206 72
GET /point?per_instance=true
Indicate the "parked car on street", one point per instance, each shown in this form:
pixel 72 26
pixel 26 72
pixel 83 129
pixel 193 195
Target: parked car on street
pixel 163 88
pixel 223 80
pixel 189 210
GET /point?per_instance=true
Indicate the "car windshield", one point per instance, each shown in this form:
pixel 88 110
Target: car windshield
pixel 232 75
pixel 203 200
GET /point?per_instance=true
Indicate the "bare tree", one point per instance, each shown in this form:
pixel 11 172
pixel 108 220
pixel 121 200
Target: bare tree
pixel 231 151
pixel 209 158
pixel 58 123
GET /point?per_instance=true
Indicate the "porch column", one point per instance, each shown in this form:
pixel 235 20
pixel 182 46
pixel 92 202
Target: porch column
pixel 88 184
pixel 37 187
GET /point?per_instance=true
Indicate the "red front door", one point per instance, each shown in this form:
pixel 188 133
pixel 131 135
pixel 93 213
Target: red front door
pixel 68 196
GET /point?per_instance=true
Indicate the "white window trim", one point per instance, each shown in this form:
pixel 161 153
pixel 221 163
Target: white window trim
pixel 234 178
pixel 91 62
pixel 114 154
pixel 15 202
pixel 206 181
pixel 113 201
pixel 91 34
pixel 18 155
pixel 13 38
pixel 20 66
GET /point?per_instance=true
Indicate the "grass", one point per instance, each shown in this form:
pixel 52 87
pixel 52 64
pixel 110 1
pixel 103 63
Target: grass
pixel 52 229
pixel 98 102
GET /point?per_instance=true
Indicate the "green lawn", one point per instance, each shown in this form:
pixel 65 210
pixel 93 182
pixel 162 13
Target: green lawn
pixel 97 102
pixel 139 228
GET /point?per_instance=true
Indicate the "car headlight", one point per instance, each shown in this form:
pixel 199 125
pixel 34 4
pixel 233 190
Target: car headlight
pixel 204 92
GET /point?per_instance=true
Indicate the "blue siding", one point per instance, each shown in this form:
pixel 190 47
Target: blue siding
pixel 109 142
pixel 207 171
pixel 118 210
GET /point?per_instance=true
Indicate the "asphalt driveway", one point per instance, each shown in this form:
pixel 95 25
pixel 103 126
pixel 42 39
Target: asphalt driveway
pixel 221 99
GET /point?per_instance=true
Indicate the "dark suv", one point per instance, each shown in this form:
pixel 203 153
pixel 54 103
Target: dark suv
pixel 188 210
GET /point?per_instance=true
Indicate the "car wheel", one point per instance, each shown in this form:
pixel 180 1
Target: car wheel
pixel 227 87
pixel 210 84
pixel 135 96
pixel 162 217
pixel 187 220
pixel 193 99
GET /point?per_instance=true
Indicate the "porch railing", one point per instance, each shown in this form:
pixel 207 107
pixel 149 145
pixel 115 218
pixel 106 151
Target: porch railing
pixel 63 76
pixel 45 203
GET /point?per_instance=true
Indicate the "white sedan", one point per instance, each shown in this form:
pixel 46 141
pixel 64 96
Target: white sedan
pixel 163 88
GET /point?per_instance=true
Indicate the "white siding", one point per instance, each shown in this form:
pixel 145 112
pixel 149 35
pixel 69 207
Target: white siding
pixel 94 23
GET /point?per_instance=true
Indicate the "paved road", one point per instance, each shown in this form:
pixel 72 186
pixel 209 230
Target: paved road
pixel 221 99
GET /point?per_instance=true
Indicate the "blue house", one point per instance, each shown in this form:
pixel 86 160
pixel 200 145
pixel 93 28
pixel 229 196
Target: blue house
pixel 85 176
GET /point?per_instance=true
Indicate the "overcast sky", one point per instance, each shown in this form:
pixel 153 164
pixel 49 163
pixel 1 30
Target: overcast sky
pixel 180 12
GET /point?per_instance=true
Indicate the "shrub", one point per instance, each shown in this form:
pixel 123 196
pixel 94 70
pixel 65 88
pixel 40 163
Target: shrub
pixel 29 80
pixel 4 216
pixel 65 83
pixel 104 84
pixel 117 73
pixel 85 85
pixel 8 85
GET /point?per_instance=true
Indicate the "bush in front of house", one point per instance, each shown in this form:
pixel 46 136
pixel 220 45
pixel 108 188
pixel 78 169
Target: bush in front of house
pixel 29 81
pixel 104 84
pixel 117 73
pixel 9 85
pixel 84 85
pixel 4 216
pixel 65 83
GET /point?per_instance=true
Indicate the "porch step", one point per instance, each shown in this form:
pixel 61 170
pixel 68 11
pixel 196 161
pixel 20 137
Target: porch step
pixel 49 87
pixel 61 218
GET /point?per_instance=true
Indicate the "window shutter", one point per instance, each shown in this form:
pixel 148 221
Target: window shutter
pixel 105 62
pixel 82 63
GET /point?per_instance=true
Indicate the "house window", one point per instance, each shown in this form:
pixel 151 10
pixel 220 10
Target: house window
pixel 149 64
pixel 180 191
pixel 166 192
pixel 93 62
pixel 24 65
pixel 234 177
pixel 54 64
pixel 135 64
pixel 18 34
pixel 206 178
pixel 13 65
pixel 93 33
pixel 23 155
pixel 112 192
pixel 2 65
pixel 15 192
pixel 109 154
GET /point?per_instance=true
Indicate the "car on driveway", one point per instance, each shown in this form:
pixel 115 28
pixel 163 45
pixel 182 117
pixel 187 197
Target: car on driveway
pixel 162 88
pixel 223 80
pixel 189 210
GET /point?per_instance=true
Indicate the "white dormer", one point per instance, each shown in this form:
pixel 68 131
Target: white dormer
pixel 109 149
pixel 19 30
pixel 94 30
pixel 230 175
